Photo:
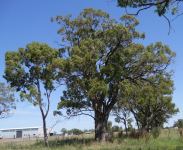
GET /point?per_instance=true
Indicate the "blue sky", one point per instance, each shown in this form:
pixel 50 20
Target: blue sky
pixel 23 21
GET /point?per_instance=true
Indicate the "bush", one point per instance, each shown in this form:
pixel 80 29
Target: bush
pixel 120 134
pixel 156 132
pixel 75 131
pixel 115 129
pixel 110 136
pixel 134 134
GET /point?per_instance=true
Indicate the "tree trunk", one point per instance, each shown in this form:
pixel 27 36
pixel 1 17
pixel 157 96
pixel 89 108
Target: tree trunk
pixel 126 130
pixel 101 127
pixel 44 115
pixel 45 132
pixel 44 128
pixel 144 129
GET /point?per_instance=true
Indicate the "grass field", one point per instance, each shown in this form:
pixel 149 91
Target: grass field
pixel 168 140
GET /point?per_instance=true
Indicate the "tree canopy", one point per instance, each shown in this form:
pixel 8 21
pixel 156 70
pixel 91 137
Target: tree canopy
pixel 122 114
pixel 103 60
pixel 30 70
pixel 150 105
pixel 7 100
pixel 178 123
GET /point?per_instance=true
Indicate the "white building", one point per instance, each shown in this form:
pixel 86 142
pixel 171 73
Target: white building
pixel 29 132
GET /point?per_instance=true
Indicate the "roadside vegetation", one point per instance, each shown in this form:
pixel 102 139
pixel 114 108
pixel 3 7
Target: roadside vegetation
pixel 169 139
pixel 105 72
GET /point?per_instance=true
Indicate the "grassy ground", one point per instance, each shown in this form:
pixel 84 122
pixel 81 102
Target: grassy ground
pixel 168 140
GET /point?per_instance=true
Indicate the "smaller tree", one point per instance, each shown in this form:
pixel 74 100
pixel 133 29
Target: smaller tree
pixel 31 71
pixel 122 114
pixel 7 100
pixel 76 131
pixel 64 131
pixel 109 126
pixel 151 105
pixel 115 128
pixel 178 123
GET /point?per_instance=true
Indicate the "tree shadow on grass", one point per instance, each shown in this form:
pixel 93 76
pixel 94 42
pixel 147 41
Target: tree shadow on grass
pixel 67 142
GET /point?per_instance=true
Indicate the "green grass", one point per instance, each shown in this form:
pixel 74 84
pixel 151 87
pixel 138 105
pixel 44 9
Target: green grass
pixel 166 141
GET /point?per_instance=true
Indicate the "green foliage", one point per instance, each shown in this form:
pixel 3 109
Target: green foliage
pixel 161 7
pixel 129 125
pixel 109 126
pixel 103 60
pixel 7 100
pixel 31 71
pixel 122 115
pixel 29 68
pixel 75 131
pixel 88 143
pixel 116 128
pixel 64 131
pixel 151 105
pixel 179 123
pixel 156 132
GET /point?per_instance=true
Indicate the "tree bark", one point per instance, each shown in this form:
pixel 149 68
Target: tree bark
pixel 44 115
pixel 145 128
pixel 44 128
pixel 45 132
pixel 101 127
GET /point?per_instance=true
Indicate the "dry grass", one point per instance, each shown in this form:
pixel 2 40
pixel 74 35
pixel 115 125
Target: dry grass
pixel 168 140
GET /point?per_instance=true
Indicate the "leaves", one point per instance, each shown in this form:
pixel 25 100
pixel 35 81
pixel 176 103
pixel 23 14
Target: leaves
pixel 7 100
pixel 161 7
pixel 32 67
pixel 105 62
pixel 151 105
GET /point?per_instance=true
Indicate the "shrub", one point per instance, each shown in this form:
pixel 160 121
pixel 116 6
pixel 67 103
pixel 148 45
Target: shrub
pixel 156 132
pixel 120 134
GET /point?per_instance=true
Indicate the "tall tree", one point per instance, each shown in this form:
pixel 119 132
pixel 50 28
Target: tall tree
pixel 7 100
pixel 101 58
pixel 30 70
pixel 152 106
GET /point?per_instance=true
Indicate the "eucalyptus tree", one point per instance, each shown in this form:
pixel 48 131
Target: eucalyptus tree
pixel 152 106
pixel 7 100
pixel 122 114
pixel 102 59
pixel 30 70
